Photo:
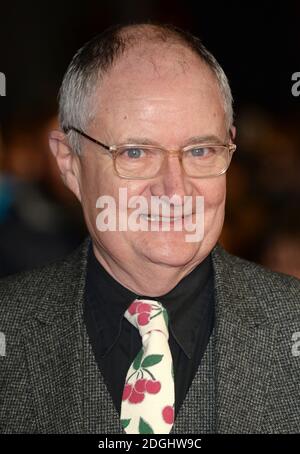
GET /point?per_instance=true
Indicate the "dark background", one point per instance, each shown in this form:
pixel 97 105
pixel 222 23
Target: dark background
pixel 258 45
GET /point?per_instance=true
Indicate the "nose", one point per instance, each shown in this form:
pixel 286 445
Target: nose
pixel 172 179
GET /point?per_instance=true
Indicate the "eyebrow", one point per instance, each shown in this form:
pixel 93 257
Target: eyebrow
pixel 209 138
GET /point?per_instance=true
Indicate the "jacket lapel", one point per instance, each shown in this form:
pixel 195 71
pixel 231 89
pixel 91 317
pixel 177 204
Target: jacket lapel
pixel 244 350
pixel 69 393
pixel 54 348
pixel 244 358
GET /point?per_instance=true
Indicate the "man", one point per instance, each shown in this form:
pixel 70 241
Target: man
pixel 233 326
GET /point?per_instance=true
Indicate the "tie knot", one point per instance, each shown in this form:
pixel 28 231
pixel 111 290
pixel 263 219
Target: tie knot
pixel 147 316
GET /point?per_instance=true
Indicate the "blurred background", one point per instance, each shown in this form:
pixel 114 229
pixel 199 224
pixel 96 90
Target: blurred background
pixel 258 47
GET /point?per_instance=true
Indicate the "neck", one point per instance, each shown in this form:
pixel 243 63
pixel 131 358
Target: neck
pixel 144 277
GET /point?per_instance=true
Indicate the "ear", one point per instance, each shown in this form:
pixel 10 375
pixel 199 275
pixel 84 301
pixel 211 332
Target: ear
pixel 67 161
pixel 232 132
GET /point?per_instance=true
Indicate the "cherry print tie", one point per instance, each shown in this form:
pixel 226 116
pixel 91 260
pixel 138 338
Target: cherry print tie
pixel 148 397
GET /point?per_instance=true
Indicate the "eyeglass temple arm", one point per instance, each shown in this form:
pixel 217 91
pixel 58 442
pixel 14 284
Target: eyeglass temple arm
pixel 71 128
pixel 232 147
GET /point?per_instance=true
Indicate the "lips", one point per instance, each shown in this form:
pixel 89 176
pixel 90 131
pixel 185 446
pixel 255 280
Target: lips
pixel 155 218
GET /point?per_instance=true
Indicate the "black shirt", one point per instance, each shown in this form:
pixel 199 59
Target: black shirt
pixel 116 342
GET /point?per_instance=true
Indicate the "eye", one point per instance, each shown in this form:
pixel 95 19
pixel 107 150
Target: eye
pixel 132 153
pixel 201 152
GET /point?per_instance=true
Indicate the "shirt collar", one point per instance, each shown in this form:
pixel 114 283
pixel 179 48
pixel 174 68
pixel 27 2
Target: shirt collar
pixel 187 303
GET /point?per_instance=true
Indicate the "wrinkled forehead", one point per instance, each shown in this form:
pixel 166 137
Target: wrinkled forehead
pixel 153 66
pixel 152 82
pixel 159 59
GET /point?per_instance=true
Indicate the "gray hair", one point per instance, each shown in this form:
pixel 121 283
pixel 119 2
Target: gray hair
pixel 96 57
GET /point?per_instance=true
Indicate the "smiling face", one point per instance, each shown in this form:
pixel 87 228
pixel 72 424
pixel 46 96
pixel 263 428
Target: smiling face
pixel 164 96
pixel 166 100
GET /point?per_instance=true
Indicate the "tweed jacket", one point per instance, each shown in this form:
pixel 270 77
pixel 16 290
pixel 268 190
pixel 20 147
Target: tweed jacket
pixel 50 382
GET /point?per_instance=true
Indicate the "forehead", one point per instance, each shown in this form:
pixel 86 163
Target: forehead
pixel 156 88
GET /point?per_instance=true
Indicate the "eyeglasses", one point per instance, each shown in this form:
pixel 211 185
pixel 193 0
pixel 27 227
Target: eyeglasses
pixel 139 162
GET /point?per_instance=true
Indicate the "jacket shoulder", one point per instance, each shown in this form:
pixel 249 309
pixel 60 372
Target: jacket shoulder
pixel 255 285
pixel 22 293
pixel 252 270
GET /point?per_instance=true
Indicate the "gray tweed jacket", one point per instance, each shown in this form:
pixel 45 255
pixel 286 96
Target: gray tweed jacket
pixel 50 383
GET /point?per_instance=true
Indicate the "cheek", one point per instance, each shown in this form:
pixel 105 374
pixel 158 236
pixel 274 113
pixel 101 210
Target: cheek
pixel 126 191
pixel 214 193
pixel 96 180
pixel 95 184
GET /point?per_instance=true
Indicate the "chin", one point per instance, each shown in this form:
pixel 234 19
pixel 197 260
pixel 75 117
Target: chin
pixel 171 253
pixel 175 260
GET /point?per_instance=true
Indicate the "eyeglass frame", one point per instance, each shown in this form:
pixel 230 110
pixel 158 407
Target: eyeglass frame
pixel 113 150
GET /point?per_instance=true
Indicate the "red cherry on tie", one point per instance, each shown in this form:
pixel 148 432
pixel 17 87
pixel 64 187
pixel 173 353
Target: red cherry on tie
pixel 168 414
pixel 143 319
pixel 127 391
pixel 140 385
pixel 153 387
pixel 135 397
pixel 144 307
pixel 133 308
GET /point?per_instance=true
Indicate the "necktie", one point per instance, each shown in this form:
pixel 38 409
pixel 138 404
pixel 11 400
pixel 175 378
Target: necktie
pixel 148 397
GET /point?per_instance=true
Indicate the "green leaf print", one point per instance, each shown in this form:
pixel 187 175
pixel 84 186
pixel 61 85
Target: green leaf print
pixel 166 317
pixel 137 362
pixel 125 423
pixel 151 360
pixel 144 427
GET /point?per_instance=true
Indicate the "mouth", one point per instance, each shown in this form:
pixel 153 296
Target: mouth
pixel 155 218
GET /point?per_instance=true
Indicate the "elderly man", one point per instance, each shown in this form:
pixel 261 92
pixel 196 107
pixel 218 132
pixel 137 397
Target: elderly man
pixel 147 328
